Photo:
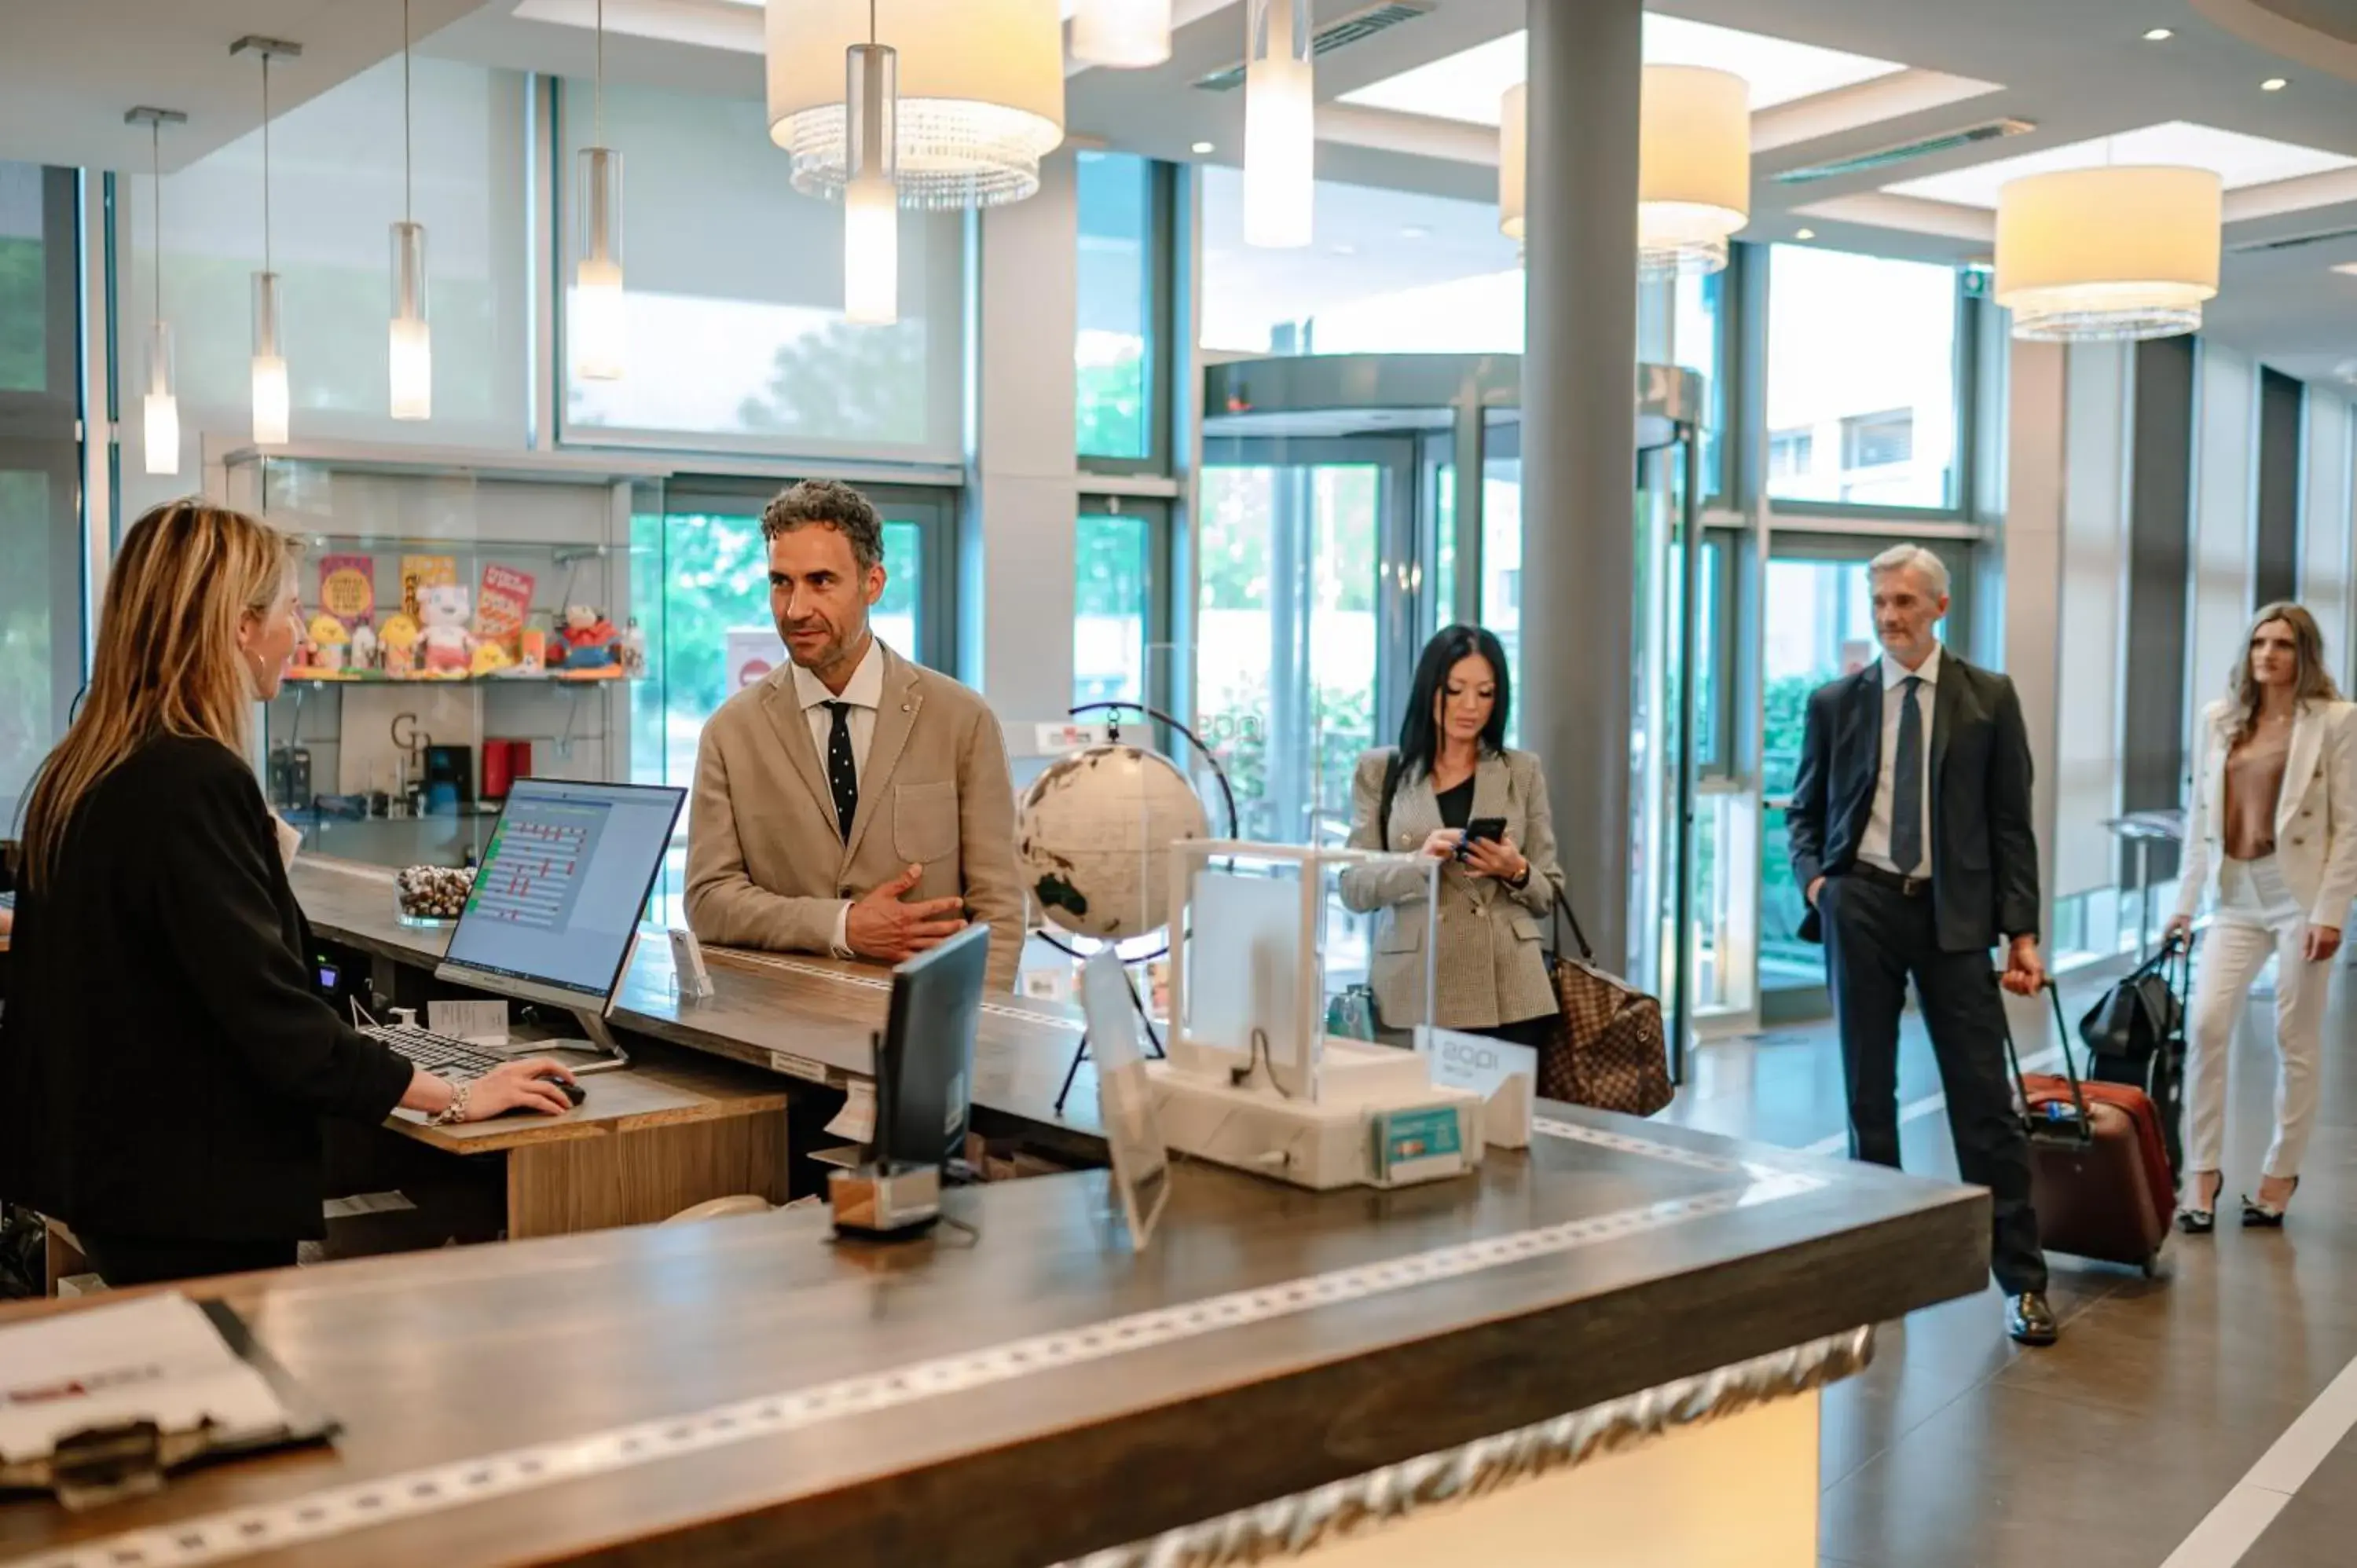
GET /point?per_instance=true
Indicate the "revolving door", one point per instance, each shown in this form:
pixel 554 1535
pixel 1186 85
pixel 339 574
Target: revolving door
pixel 1349 506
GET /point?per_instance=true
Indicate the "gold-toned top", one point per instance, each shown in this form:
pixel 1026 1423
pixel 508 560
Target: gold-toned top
pixel 2254 776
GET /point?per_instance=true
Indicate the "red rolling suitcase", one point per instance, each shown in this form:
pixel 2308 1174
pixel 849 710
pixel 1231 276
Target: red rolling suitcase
pixel 2098 1165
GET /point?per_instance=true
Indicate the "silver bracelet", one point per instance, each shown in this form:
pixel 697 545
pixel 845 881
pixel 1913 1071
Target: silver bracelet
pixel 450 1115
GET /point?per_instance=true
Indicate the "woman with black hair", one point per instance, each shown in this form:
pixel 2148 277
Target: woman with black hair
pixel 1451 790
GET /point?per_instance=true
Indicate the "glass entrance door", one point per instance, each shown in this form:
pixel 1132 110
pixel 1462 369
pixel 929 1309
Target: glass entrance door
pixel 1299 586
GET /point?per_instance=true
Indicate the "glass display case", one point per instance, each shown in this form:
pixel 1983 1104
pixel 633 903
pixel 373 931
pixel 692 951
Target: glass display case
pixel 464 628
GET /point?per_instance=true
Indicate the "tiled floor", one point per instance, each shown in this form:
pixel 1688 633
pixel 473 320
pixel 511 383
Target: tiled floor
pixel 1957 1450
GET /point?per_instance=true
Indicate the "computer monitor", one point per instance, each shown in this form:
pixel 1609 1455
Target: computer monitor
pixel 556 901
pixel 924 1070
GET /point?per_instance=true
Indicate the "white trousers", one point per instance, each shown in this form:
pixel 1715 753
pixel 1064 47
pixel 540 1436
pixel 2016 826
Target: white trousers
pixel 2256 916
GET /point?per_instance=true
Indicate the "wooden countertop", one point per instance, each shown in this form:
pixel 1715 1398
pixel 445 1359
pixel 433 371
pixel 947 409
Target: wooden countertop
pixel 678 1088
pixel 803 1016
pixel 795 1389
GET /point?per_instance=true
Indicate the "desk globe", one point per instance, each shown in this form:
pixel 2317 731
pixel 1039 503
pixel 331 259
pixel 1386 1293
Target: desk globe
pixel 1094 837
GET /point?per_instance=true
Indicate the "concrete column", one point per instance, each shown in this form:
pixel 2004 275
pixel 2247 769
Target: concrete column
pixel 1579 440
pixel 1016 613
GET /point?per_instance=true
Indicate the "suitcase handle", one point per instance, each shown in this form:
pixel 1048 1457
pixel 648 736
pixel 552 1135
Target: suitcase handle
pixel 2069 1068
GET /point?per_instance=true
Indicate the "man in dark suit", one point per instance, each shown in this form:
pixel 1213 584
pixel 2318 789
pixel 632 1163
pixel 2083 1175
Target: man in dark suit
pixel 1910 834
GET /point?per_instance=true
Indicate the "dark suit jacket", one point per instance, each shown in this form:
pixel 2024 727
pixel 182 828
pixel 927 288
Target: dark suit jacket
pixel 1984 854
pixel 166 1059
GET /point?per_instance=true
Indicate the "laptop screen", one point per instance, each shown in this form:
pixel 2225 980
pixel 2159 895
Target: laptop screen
pixel 562 884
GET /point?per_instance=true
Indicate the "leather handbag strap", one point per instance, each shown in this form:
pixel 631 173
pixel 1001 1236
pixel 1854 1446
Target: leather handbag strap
pixel 1563 912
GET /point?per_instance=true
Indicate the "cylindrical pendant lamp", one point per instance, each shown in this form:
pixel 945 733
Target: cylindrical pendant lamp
pixel 1694 168
pixel 1127 35
pixel 2122 252
pixel 1513 153
pixel 1280 125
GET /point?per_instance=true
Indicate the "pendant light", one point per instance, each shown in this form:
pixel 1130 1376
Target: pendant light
pixel 871 196
pixel 980 99
pixel 1694 168
pixel 1127 35
pixel 599 332
pixel 1280 123
pixel 2116 253
pixel 411 357
pixel 1514 158
pixel 161 406
pixel 271 398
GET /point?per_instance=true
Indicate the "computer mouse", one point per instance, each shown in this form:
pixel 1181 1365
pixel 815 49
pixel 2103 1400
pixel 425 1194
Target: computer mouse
pixel 572 1089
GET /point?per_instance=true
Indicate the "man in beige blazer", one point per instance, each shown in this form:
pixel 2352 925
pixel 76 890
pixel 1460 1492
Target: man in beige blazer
pixel 849 732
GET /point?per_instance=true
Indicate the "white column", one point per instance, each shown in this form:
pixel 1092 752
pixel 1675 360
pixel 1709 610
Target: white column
pixel 1017 546
pixel 2090 635
pixel 2325 516
pixel 2036 468
pixel 2226 514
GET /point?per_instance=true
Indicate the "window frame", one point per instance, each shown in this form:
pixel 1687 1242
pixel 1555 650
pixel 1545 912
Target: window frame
pixel 1758 264
pixel 1161 684
pixel 934 512
pixel 1161 330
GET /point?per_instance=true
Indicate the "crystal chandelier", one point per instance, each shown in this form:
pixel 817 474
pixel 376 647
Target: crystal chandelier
pixel 981 94
pixel 2114 253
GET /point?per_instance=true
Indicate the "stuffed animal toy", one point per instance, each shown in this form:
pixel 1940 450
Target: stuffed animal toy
pixel 399 643
pixel 490 658
pixel 590 639
pixel 447 646
pixel 364 648
pixel 328 641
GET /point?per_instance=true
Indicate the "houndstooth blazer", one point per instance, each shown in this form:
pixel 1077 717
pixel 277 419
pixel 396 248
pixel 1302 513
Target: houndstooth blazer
pixel 1490 967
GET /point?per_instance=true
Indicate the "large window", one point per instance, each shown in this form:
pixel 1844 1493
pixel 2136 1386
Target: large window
pixel 1391 271
pixel 336 182
pixel 41 513
pixel 1863 374
pixel 704 571
pixel 1121 649
pixel 1113 354
pixel 734 298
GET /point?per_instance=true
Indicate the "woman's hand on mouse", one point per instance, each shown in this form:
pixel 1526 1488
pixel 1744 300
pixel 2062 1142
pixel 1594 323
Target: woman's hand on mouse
pixel 519 1086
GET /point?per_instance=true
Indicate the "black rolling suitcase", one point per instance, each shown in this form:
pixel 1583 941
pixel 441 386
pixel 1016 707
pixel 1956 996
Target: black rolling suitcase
pixel 2136 1035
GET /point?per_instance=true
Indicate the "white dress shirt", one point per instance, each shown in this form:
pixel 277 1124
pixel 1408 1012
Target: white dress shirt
pixel 1875 847
pixel 864 692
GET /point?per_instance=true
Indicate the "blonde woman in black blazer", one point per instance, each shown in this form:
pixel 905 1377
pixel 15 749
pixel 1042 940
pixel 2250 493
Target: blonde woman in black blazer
pixel 1453 768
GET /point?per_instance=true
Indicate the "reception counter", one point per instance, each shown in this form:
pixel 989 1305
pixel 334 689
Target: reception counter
pixel 1606 1348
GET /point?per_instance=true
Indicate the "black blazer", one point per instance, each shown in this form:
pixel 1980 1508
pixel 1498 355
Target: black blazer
pixel 1984 854
pixel 165 1058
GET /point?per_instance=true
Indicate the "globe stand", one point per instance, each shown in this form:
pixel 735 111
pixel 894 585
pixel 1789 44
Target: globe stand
pixel 1081 1052
pixel 1227 799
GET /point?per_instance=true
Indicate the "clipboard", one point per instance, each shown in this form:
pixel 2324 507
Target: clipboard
pixel 107 1463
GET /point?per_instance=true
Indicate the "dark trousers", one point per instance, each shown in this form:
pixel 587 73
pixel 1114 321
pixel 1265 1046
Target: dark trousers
pixel 1876 937
pixel 126 1260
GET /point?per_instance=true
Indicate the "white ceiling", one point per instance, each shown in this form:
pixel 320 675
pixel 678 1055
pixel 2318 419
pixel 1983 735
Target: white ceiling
pixel 2076 70
pixel 68 69
pixel 2238 160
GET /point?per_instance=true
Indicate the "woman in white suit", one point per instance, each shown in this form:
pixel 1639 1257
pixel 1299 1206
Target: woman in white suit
pixel 2272 842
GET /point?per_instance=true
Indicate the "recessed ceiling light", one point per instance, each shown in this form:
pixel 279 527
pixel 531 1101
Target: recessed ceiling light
pixel 2237 159
pixel 2159 34
pixel 1804 234
pixel 1345 249
pixel 1202 147
pixel 1468 86
pixel 2274 84
pixel 1414 232
pixel 2349 268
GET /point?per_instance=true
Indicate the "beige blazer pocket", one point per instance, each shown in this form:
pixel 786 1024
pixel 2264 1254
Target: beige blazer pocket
pixel 924 821
pixel 1401 934
pixel 1526 926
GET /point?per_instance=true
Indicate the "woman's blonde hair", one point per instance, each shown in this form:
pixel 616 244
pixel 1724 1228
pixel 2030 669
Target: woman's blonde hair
pixel 166 660
pixel 2311 681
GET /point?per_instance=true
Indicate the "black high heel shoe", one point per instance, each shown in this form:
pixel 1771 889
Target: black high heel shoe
pixel 2259 1217
pixel 2202 1222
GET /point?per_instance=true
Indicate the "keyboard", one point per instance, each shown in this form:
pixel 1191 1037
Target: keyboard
pixel 437 1054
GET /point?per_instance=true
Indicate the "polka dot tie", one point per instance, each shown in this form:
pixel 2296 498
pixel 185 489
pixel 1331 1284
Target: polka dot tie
pixel 842 773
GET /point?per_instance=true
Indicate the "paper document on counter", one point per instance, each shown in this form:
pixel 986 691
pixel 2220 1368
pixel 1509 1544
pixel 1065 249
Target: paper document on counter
pixel 158 1358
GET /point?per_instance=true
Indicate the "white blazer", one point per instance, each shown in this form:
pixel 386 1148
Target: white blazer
pixel 2316 815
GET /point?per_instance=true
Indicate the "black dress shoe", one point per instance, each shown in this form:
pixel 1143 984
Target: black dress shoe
pixel 2030 1320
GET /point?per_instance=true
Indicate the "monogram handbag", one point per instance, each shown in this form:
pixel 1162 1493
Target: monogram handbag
pixel 1608 1052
